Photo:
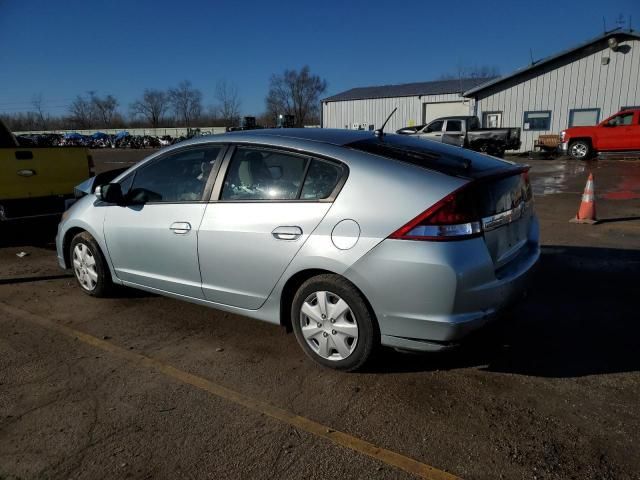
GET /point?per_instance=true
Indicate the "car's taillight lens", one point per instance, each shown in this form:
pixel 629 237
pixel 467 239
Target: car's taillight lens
pixel 460 214
pixel 452 218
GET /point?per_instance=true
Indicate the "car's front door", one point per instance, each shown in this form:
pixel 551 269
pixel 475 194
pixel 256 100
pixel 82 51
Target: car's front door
pixel 433 131
pixel 270 201
pixel 453 133
pixel 619 132
pixel 152 239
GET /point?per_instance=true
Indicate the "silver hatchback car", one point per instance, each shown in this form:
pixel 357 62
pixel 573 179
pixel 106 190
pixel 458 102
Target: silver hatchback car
pixel 350 239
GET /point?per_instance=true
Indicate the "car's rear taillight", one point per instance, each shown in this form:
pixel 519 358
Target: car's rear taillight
pixel 460 215
pixel 452 218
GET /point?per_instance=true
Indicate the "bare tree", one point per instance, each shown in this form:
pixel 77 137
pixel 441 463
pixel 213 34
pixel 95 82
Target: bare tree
pixel 186 102
pixel 472 71
pixel 81 112
pixel 152 106
pixel 38 104
pixel 296 93
pixel 104 108
pixel 228 108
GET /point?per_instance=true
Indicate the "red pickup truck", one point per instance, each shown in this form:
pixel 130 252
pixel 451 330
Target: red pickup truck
pixel 619 132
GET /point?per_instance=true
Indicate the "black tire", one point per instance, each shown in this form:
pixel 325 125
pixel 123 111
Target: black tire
pixel 103 283
pixel 580 150
pixel 368 333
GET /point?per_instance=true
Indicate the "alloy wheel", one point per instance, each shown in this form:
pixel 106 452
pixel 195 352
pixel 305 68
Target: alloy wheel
pixel 579 150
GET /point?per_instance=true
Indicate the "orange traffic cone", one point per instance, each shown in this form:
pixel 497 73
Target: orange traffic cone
pixel 587 210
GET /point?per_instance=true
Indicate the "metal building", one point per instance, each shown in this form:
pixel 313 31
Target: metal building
pixel 580 86
pixel 368 107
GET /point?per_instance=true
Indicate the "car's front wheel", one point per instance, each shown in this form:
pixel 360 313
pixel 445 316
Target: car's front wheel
pixel 580 149
pixel 89 266
pixel 333 323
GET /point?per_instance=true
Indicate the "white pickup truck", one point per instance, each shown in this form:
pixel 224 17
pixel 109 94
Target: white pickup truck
pixel 465 131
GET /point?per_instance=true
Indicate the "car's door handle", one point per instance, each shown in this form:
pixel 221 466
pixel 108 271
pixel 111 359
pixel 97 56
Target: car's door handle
pixel 26 172
pixel 438 135
pixel 180 228
pixel 287 233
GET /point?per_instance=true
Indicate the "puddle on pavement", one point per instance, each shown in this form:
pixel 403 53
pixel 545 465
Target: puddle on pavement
pixel 614 179
pixel 628 186
pixel 552 177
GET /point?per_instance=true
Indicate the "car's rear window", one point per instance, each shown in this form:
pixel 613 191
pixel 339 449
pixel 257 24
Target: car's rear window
pixel 460 162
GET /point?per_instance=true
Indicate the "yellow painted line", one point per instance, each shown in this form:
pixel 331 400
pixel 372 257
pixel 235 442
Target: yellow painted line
pixel 342 439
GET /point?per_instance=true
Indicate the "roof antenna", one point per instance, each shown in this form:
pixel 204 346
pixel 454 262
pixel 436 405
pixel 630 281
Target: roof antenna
pixel 380 131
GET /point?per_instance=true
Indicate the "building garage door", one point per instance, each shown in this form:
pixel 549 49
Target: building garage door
pixel 444 109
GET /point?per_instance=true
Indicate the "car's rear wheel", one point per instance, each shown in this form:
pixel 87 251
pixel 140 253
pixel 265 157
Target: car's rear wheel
pixel 89 266
pixel 333 323
pixel 580 149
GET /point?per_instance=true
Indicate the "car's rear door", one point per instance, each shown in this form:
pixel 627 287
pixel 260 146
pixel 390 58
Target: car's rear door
pixel 152 240
pixel 266 203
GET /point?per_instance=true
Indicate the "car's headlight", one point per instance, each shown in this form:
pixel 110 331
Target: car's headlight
pixel 563 133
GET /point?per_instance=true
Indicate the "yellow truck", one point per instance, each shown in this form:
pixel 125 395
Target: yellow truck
pixel 38 181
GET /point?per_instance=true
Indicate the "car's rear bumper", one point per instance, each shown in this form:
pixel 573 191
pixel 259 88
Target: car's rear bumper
pixel 442 291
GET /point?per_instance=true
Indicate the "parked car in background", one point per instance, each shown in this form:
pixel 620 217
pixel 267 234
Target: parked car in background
pixel 38 181
pixel 411 129
pixel 465 131
pixel 618 133
pixel 350 238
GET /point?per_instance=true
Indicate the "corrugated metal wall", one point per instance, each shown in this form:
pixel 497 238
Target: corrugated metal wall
pixel 579 81
pixel 344 114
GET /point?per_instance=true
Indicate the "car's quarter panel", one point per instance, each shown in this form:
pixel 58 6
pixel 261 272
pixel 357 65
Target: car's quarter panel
pixel 145 250
pixel 240 257
pixel 439 291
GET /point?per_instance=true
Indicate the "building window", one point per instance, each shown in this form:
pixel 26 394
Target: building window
pixel 637 107
pixel 537 120
pixel 579 117
pixel 492 119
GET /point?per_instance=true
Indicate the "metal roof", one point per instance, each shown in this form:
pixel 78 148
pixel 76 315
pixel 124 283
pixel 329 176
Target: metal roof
pixel 437 87
pixel 544 61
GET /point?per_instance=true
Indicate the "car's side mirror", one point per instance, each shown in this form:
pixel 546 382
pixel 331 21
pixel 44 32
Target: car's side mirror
pixel 110 193
pixel 608 124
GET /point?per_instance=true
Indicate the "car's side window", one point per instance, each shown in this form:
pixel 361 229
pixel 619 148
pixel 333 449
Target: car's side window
pixel 454 125
pixel 258 174
pixel 178 177
pixel 321 180
pixel 435 127
pixel 624 119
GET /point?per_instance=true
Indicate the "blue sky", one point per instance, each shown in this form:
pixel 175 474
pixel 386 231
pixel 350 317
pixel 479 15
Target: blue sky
pixel 61 49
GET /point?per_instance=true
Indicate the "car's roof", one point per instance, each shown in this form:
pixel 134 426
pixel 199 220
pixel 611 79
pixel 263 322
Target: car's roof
pixel 455 117
pixel 333 136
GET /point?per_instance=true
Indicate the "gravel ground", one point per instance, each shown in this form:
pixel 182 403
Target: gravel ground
pixel 550 392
